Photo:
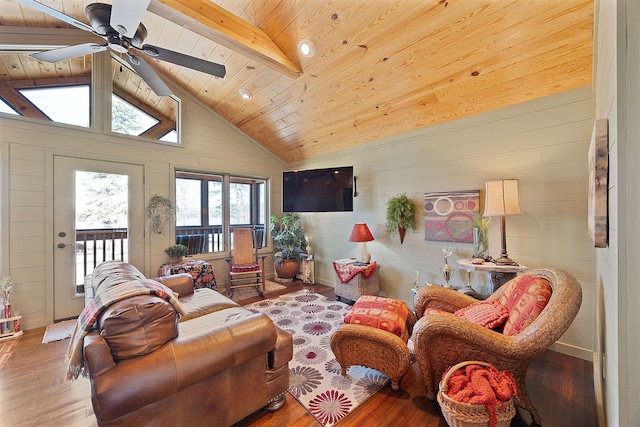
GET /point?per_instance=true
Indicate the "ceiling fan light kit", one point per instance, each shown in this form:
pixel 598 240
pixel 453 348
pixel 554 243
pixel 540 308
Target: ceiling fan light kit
pixel 121 27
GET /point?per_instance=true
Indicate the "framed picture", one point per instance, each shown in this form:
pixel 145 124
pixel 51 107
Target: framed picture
pixel 448 216
pixel 598 221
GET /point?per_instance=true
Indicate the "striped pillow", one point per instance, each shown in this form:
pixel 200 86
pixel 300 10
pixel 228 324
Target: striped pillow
pixel 490 313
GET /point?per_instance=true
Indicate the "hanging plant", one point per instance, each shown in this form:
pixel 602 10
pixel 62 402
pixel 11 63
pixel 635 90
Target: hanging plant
pixel 159 210
pixel 401 215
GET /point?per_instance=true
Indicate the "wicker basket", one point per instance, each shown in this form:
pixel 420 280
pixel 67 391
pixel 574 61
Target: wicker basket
pixel 459 414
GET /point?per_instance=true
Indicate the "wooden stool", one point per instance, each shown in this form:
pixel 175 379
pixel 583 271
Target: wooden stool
pixel 370 346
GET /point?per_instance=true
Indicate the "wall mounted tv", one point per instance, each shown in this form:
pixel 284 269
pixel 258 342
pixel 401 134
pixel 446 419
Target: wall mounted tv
pixel 318 190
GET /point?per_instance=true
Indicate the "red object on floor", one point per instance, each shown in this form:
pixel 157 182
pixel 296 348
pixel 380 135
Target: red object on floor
pixel 482 385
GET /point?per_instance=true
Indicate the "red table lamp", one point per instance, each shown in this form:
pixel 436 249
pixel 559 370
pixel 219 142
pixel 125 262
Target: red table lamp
pixel 362 235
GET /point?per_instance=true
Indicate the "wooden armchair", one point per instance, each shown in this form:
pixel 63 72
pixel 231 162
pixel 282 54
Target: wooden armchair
pixel 245 268
pixel 442 340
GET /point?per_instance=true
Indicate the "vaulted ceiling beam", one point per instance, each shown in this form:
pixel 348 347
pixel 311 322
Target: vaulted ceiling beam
pixel 211 21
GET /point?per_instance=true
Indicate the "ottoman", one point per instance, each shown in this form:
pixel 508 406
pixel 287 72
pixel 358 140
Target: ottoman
pixel 375 335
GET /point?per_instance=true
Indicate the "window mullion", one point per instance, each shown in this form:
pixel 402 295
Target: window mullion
pixel 204 194
pixel 226 209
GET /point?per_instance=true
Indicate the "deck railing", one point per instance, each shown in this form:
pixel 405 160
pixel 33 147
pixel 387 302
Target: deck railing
pixel 98 245
pixel 105 244
pixel 214 236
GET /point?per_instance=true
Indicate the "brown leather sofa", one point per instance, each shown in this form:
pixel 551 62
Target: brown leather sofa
pixel 214 366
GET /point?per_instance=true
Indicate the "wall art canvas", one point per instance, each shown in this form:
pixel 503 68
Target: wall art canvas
pixel 448 216
pixel 598 222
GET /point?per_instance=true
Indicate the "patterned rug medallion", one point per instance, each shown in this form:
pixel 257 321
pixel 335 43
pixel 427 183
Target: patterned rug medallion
pixel 315 379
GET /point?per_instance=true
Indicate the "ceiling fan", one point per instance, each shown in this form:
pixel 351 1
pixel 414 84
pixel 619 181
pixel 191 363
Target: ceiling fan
pixel 120 26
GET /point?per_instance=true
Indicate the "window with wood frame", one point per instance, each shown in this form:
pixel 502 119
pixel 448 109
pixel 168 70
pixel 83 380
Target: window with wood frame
pixel 207 204
pixel 137 110
pixel 59 92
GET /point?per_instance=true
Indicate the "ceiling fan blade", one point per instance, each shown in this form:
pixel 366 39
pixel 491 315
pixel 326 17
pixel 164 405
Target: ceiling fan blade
pixel 59 15
pixel 127 14
pixel 147 73
pixel 185 60
pixel 55 55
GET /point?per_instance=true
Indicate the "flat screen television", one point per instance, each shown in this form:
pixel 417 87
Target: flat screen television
pixel 318 190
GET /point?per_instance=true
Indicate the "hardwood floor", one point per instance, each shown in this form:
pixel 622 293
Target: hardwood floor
pixel 33 392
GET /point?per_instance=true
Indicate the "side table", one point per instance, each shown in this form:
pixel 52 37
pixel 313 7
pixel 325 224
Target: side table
pixel 498 274
pixel 352 281
pixel 201 271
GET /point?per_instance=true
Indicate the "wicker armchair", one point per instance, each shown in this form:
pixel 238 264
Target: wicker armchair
pixel 442 340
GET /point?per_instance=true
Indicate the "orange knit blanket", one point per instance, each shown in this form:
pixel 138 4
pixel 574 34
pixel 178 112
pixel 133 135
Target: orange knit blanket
pixel 482 385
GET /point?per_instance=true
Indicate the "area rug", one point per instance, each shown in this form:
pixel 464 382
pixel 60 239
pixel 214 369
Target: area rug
pixel 245 293
pixel 314 374
pixel 6 348
pixel 59 331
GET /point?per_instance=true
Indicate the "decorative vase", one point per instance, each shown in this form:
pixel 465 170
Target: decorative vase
pixel 287 269
pixel 401 232
pixel 480 242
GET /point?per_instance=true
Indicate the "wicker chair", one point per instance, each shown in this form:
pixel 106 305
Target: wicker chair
pixel 443 340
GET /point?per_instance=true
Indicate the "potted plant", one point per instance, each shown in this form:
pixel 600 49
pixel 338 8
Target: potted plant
pixel 176 253
pixel 158 210
pixel 401 215
pixel 288 243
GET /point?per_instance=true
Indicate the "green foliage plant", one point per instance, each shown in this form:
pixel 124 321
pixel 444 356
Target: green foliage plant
pixel 401 213
pixel 159 210
pixel 288 237
pixel 176 251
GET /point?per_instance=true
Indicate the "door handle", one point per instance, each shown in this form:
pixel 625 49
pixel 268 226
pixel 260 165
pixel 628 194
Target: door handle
pixel 62 245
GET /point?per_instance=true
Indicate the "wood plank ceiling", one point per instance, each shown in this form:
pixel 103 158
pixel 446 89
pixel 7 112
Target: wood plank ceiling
pixel 382 67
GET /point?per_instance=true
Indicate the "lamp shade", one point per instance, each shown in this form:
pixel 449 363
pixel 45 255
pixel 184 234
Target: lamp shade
pixel 360 233
pixel 501 198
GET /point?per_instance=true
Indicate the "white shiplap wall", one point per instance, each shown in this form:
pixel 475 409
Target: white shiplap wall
pixel 617 88
pixel 543 143
pixel 606 261
pixel 209 144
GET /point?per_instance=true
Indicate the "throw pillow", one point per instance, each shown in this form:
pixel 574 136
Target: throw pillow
pixel 138 325
pixel 525 298
pixel 490 313
pixel 431 310
pixel 378 312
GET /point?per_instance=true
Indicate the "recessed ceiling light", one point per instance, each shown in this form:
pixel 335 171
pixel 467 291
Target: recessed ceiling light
pixel 245 94
pixel 307 48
